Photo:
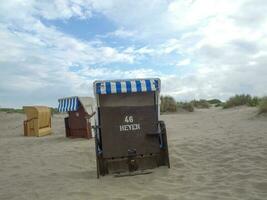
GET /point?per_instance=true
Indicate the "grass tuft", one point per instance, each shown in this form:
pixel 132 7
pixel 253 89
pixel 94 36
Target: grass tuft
pixel 202 103
pixel 240 100
pixel 263 105
pixel 168 104
pixel 214 101
pixel 185 106
pixel 11 110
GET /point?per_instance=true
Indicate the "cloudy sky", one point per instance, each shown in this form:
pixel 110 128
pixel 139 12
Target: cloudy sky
pixel 199 48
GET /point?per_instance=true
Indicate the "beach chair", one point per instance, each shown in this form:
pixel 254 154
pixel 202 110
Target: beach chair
pixel 80 116
pixel 129 137
pixel 38 122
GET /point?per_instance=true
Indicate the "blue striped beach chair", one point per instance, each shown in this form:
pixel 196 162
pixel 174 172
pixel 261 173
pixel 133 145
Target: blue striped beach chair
pixel 129 136
pixel 80 116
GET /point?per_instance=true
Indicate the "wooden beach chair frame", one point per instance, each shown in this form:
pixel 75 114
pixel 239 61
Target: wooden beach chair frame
pixel 129 137
pixel 80 111
pixel 38 122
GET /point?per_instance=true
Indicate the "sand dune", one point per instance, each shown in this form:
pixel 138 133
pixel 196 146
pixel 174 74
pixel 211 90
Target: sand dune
pixel 214 153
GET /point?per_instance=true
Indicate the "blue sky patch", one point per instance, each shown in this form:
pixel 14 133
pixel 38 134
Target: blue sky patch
pixel 85 29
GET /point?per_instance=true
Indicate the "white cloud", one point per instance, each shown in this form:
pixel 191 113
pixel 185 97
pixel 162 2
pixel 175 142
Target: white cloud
pixel 220 47
pixel 122 33
pixel 224 50
pixel 36 58
pixel 184 62
pixel 106 73
pixel 190 13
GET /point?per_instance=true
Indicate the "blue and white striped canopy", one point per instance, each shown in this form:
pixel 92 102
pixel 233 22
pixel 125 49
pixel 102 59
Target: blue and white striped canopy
pixel 68 104
pixel 126 86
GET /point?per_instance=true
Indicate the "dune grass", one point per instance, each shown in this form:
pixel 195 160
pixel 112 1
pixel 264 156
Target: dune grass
pixel 54 111
pixel 15 110
pixel 214 101
pixel 240 100
pixel 11 110
pixel 168 104
pixel 185 106
pixel 202 103
pixel 219 104
pixel 263 105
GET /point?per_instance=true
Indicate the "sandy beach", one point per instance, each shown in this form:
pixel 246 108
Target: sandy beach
pixel 214 154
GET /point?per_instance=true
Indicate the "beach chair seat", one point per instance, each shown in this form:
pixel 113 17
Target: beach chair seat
pixel 38 122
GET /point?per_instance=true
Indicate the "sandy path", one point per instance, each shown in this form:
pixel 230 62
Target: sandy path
pixel 215 154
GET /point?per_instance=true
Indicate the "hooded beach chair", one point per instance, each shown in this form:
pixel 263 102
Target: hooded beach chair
pixel 38 122
pixel 80 111
pixel 129 136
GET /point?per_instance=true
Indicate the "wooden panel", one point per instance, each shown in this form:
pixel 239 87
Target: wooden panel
pixel 77 125
pixel 38 121
pixel 80 133
pixel 126 128
pixel 77 119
